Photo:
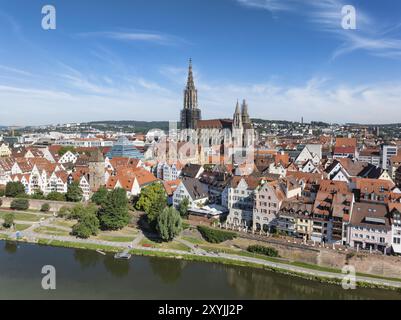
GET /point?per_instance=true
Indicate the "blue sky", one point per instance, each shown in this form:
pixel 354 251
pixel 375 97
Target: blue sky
pixel 118 60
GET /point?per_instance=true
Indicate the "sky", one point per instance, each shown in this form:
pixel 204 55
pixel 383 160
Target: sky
pixel 128 60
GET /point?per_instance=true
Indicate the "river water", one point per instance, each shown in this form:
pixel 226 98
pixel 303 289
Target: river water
pixel 84 274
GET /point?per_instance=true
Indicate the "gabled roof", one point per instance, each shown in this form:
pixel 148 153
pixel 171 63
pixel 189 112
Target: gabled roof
pixel 196 189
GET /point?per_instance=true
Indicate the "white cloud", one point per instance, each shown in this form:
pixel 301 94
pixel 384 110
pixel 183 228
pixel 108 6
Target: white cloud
pixel 370 35
pixel 136 36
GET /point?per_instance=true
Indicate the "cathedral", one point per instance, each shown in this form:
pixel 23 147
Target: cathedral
pixel 237 132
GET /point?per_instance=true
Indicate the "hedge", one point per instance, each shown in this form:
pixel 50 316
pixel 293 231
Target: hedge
pixel 267 251
pixel 19 204
pixel 215 236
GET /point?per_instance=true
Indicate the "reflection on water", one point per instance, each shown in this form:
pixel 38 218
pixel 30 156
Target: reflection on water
pixel 168 270
pixel 119 268
pixel 10 247
pixel 86 258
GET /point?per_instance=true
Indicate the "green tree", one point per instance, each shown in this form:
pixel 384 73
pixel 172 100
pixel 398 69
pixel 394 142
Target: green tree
pixel 38 194
pixel 88 225
pixel 45 207
pixel 8 220
pixel 157 206
pixel 64 212
pixel 14 188
pixel 19 204
pixel 114 214
pixel 183 207
pixel 2 192
pixel 169 224
pixel 55 196
pixel 80 210
pixel 64 150
pixel 149 195
pixel 74 192
pixel 100 196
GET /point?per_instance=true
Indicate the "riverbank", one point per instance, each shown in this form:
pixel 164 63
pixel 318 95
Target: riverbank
pixel 314 274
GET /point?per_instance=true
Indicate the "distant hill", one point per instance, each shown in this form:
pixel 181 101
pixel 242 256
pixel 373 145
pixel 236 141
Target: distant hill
pixel 137 126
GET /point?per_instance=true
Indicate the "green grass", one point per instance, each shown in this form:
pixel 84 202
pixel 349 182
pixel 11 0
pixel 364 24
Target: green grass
pixel 78 245
pixel 22 227
pixel 20 216
pixel 65 224
pixel 194 240
pixel 51 231
pixel 115 238
pixel 173 245
pixel 3 237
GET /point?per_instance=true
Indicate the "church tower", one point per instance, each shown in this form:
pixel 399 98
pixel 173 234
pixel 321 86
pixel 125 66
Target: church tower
pixel 244 113
pixel 191 113
pixel 237 129
pixel 96 170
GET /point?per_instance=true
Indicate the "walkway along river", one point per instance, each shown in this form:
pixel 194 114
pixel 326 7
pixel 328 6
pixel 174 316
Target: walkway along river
pixel 83 274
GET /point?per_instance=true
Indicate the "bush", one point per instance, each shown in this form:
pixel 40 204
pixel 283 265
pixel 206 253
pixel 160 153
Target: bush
pixel 8 220
pixel 64 212
pixel 55 196
pixel 2 192
pixel 20 204
pixel 45 207
pixel 267 251
pixel 1 202
pixel 216 236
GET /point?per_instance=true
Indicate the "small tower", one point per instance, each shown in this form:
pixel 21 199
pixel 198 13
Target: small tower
pixel 96 170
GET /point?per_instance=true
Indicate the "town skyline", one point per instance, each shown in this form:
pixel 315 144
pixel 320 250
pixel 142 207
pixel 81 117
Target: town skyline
pixel 289 59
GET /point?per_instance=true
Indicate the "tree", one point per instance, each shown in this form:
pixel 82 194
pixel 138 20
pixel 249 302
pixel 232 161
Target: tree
pixel 100 196
pixel 149 195
pixel 183 207
pixel 14 188
pixel 55 196
pixel 45 207
pixel 64 212
pixel 114 214
pixel 80 210
pixel 88 225
pixel 19 204
pixel 169 224
pixel 74 192
pixel 8 220
pixel 38 194
pixel 157 206
pixel 64 150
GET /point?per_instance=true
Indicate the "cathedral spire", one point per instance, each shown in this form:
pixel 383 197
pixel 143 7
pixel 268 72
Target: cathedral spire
pixel 244 112
pixel 190 81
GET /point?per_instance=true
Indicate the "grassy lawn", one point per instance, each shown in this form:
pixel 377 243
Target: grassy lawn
pixel 23 216
pixel 115 238
pixel 21 227
pixel 173 245
pixel 71 244
pixel 194 240
pixel 51 231
pixel 65 223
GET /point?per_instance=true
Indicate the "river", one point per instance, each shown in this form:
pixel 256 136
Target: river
pixel 84 274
